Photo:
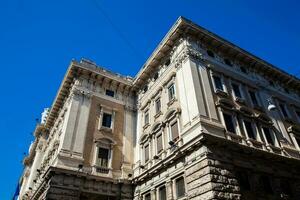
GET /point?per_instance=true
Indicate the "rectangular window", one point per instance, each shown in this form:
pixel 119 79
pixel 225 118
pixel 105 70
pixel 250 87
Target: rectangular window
pixel 229 123
pixel 298 115
pixel 174 131
pixel 171 91
pixel 268 135
pixel 249 129
pixel 180 188
pixel 159 140
pixel 283 110
pixel 242 177
pixel 218 83
pixel 146 153
pixel 146 117
pixel 110 93
pixel 298 141
pixel 102 158
pixel 162 195
pixel 106 120
pixel 157 105
pixel 236 90
pixel 253 98
pixel 265 182
pixel 148 196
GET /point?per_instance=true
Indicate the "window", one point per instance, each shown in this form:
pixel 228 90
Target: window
pixel 265 182
pixel 285 187
pixel 229 124
pixel 253 98
pixel 218 83
pixel 298 115
pixel 228 62
pixel 159 143
pixel 283 110
pixel 168 61
pixel 110 93
pixel 174 131
pixel 236 90
pixel 102 157
pixel 249 129
pixel 106 120
pixel 155 76
pixel 298 141
pixel 145 89
pixel 157 105
pixel 171 91
pixel 210 53
pixel 243 179
pixel 146 152
pixel 146 117
pixel 162 195
pixel 244 70
pixel 180 188
pixel 148 196
pixel 268 135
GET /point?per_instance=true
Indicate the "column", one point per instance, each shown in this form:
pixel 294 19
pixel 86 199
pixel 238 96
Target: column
pixel 153 194
pixel 169 190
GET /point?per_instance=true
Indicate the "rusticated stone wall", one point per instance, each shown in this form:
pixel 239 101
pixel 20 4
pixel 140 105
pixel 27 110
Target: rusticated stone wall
pixel 241 174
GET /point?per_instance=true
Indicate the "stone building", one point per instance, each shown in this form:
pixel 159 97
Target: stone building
pixel 202 119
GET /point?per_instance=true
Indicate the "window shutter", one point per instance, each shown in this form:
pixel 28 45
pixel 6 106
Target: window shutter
pixel 180 189
pixel 159 143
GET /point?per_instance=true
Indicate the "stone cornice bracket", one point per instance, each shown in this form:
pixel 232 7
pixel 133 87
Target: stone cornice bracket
pixel 78 92
pixel 188 53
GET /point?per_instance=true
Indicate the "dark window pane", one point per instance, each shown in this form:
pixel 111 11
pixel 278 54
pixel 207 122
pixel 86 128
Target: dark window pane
pixel 229 123
pixel 146 117
pixel 253 98
pixel 147 197
pixel 174 131
pixel 171 90
pixel 162 193
pixel 102 160
pixel 244 70
pixel 265 182
pixel 243 180
pixel 210 53
pixel 155 76
pixel 298 141
pixel 146 153
pixel 267 133
pixel 106 121
pixel 110 93
pixel 249 129
pixel 157 105
pixel 283 110
pixel 236 90
pixel 218 83
pixel 180 188
pixel 228 62
pixel 159 143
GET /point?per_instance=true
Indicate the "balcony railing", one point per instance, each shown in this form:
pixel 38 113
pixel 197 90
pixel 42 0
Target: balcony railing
pixel 102 170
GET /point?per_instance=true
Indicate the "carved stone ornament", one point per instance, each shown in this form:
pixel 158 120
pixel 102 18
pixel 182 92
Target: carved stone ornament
pixel 186 53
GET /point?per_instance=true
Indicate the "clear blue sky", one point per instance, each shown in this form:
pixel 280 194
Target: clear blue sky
pixel 38 41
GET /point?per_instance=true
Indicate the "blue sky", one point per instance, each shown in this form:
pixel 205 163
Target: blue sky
pixel 38 39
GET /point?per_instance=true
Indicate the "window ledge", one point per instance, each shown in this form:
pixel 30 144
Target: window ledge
pixel 157 114
pixel 171 102
pixel 146 126
pixel 106 129
pixel 221 93
pixel 258 108
pixel 240 100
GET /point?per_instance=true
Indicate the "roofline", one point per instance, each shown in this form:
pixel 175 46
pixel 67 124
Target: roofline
pixel 181 21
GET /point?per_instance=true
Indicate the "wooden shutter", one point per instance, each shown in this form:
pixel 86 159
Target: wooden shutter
pixel 159 143
pixel 174 131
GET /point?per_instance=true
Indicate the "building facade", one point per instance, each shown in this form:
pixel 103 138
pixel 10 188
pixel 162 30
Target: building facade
pixel 203 119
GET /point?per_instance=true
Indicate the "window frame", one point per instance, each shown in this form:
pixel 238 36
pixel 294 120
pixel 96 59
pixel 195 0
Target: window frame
pixel 252 126
pixel 156 105
pixel 159 194
pixel 272 135
pixel 255 93
pixel 110 111
pixel 173 96
pixel 233 119
pixel 146 117
pixel 239 85
pixel 285 111
pixel 144 152
pixel 176 187
pixel 111 119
